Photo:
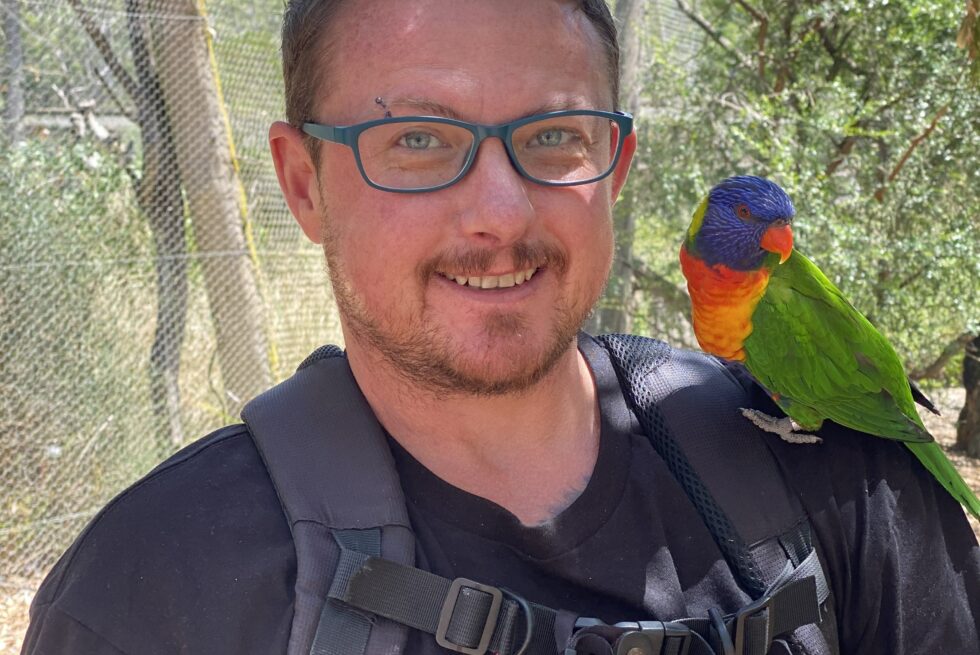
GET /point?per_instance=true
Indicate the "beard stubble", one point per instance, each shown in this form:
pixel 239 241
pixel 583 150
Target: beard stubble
pixel 423 355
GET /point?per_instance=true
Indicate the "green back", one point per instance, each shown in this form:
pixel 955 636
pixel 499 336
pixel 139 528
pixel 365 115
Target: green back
pixel 824 359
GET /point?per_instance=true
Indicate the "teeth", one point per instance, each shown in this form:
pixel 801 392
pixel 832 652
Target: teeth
pixel 492 281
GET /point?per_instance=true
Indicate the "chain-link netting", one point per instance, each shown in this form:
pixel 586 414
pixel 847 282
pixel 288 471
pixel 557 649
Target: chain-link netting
pixel 151 278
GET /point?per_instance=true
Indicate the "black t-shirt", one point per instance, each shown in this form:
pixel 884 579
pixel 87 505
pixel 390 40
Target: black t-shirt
pixel 197 557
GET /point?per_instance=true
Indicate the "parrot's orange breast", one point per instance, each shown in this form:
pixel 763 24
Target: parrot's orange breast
pixel 722 302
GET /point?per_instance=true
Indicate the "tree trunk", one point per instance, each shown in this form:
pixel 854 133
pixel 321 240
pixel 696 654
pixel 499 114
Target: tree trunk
pixel 613 313
pixel 968 424
pixel 183 60
pixel 158 195
pixel 14 71
pixel 160 201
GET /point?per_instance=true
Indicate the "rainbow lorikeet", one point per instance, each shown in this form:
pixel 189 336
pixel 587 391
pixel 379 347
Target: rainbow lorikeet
pixel 758 301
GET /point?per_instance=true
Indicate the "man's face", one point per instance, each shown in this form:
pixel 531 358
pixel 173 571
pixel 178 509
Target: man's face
pixel 394 258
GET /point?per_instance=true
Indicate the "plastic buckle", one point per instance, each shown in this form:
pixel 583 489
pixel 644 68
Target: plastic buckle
pixel 742 615
pixel 449 606
pixel 652 638
pixel 633 637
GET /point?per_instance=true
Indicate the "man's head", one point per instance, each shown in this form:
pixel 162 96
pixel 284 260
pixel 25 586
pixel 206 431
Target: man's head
pixel 307 41
pixel 403 266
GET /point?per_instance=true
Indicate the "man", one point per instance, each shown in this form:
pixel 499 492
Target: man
pixel 462 276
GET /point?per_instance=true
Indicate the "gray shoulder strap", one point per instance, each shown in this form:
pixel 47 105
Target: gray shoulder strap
pixel 333 470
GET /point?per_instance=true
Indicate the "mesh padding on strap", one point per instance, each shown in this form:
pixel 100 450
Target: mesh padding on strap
pixel 636 360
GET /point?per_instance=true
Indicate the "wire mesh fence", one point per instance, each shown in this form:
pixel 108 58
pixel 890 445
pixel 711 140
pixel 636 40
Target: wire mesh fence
pixel 151 278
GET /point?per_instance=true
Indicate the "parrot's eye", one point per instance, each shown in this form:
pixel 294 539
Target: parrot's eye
pixel 742 211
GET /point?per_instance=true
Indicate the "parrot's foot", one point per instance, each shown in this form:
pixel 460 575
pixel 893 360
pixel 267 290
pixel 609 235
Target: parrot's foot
pixel 787 429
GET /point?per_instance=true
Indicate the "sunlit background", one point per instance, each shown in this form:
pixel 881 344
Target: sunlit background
pixel 152 280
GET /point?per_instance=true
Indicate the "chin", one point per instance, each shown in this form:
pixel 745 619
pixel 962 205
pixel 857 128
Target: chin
pixel 502 374
pixel 506 357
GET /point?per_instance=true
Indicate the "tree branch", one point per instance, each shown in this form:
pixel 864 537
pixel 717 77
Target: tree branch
pixel 880 193
pixel 763 21
pixel 847 144
pixel 843 150
pixel 102 45
pixel 914 275
pixel 935 369
pixel 969 27
pixel 714 34
pixel 649 280
pixel 785 73
pixel 834 50
pixel 113 97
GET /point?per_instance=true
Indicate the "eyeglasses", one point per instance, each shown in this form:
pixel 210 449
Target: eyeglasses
pixel 413 154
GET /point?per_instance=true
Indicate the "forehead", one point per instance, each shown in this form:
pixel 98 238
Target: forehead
pixel 487 61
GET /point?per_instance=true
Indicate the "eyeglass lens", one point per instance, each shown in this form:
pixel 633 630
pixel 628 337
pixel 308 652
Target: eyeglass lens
pixel 423 154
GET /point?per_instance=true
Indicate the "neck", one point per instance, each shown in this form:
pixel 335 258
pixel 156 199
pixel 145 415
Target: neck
pixel 530 451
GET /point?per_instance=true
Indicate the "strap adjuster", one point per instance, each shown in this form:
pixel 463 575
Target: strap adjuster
pixel 781 610
pixel 764 604
pixel 449 606
pixel 654 638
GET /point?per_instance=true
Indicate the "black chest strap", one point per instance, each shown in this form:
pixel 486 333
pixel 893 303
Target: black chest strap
pixel 470 617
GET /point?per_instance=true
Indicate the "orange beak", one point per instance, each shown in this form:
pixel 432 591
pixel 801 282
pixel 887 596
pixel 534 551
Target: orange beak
pixel 778 239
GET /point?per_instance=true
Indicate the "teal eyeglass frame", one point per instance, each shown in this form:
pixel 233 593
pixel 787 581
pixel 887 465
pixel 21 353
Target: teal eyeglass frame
pixel 348 135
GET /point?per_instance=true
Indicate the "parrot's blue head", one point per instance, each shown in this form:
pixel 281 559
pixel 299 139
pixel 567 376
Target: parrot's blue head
pixel 741 221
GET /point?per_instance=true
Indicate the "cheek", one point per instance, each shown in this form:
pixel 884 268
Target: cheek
pixel 596 232
pixel 377 237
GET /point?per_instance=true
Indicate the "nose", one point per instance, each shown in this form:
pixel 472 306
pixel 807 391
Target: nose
pixel 496 209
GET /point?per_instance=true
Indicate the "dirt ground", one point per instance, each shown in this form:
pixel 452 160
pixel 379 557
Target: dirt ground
pixel 16 594
pixel 949 402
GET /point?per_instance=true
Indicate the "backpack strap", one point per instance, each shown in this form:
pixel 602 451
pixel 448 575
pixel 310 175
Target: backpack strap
pixel 688 405
pixel 357 590
pixel 331 466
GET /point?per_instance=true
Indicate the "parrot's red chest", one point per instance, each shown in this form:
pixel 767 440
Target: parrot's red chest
pixel 722 303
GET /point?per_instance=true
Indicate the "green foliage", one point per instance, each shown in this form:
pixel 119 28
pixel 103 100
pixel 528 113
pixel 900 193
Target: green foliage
pixel 842 97
pixel 65 316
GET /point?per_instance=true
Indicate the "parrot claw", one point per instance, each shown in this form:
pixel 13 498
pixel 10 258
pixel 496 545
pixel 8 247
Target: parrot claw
pixel 788 430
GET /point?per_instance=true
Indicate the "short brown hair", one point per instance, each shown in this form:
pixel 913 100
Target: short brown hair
pixel 304 23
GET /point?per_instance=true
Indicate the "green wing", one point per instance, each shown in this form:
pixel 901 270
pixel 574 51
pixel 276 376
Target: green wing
pixel 825 360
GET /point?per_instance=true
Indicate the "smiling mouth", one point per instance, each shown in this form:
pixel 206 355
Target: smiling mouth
pixel 491 281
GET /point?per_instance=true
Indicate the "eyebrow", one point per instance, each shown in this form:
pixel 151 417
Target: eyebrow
pixel 430 107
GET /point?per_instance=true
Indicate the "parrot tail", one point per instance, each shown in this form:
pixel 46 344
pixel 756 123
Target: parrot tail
pixel 935 461
pixel 919 396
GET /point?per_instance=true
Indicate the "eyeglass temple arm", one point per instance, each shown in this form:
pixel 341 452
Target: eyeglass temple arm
pixel 330 133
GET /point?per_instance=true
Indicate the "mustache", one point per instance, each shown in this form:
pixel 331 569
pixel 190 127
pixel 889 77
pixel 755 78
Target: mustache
pixel 479 261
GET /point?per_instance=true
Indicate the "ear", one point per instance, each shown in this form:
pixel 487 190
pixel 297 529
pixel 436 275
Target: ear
pixel 297 177
pixel 621 172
